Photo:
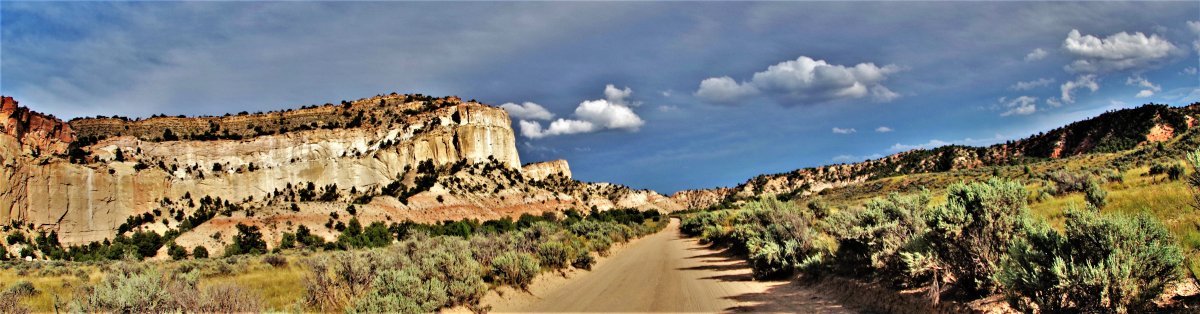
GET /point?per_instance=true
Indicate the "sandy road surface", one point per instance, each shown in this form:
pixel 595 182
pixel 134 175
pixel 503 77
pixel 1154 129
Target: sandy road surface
pixel 666 272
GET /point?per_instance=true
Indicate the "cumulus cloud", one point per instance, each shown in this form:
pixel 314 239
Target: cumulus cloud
pixel 804 81
pixel 527 111
pixel 1120 51
pixel 1083 81
pixel 723 90
pixel 617 95
pixel 1023 105
pixel 837 130
pixel 1027 85
pixel 883 129
pixel 1036 54
pixel 1148 88
pixel 611 113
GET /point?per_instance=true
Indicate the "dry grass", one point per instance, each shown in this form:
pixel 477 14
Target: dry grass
pixel 50 286
pixel 280 287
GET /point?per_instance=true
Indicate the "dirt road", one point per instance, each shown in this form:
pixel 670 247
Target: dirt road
pixel 666 272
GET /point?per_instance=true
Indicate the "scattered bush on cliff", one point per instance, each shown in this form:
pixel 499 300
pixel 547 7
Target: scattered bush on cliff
pixel 1100 263
pixel 248 241
pixel 199 252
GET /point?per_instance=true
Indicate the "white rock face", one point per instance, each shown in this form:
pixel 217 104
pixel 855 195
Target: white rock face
pixel 88 202
pixel 541 170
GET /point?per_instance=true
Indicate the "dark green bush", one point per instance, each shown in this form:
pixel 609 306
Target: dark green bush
pixel 199 252
pixel 248 241
pixel 1114 264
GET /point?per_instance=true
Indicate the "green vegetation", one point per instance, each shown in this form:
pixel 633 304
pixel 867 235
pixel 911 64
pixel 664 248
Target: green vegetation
pixel 405 267
pixel 981 240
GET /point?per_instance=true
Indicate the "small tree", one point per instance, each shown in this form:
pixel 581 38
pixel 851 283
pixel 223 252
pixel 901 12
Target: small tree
pixel 200 252
pixel 248 241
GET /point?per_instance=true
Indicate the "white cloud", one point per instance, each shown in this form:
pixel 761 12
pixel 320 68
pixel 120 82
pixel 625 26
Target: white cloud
pixel 1084 81
pixel 1036 54
pixel 723 90
pixel 1190 70
pixel 853 158
pixel 883 129
pixel 898 147
pixel 1120 51
pixel 611 113
pixel 617 96
pixel 1148 88
pixel 1027 85
pixel 837 130
pixel 1023 105
pixel 1051 101
pixel 527 111
pixel 804 81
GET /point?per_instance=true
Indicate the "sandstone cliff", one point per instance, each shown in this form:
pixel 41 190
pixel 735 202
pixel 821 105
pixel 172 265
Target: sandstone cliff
pixel 541 170
pixel 395 157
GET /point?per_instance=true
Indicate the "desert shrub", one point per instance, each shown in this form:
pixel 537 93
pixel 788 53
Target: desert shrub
pixel 872 238
pixel 778 238
pixel 1175 172
pixel 553 254
pixel 449 260
pixel 1099 264
pixel 516 269
pixel 333 281
pixel 1095 195
pixel 127 291
pixel 21 288
pixel 228 298
pixel 584 260
pixel 402 291
pixel 1067 182
pixel 274 260
pixel 11 303
pixel 694 224
pixel 972 232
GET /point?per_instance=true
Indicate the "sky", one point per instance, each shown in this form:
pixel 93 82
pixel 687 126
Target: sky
pixel 658 95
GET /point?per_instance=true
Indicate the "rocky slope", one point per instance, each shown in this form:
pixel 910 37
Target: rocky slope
pixel 385 158
pixel 1109 132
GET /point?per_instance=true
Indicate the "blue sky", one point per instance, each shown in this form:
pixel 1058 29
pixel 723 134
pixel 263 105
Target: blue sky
pixel 702 94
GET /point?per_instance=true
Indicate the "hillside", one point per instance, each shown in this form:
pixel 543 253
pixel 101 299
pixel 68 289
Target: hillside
pixel 386 158
pixel 1113 131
